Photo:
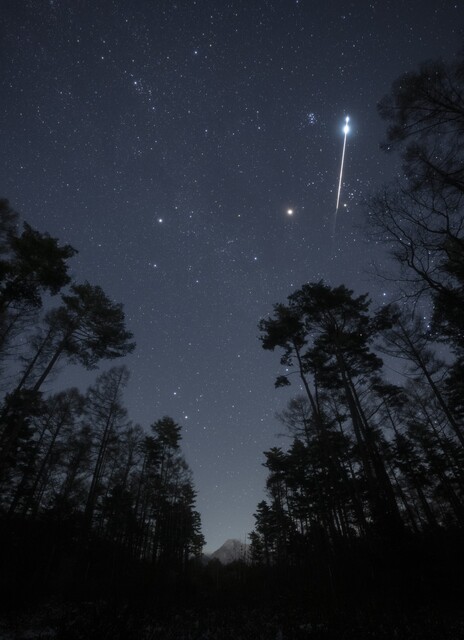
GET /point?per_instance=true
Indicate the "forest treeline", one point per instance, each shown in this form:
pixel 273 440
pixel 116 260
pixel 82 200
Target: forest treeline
pixel 369 494
pixel 85 494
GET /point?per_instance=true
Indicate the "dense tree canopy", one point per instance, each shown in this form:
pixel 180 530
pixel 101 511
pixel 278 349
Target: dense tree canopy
pixel 373 464
pixel 72 464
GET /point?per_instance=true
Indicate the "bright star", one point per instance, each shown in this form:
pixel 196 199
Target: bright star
pixel 346 128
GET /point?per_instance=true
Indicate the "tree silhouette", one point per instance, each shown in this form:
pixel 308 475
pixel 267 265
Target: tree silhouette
pixel 421 217
pixel 88 327
pixel 328 333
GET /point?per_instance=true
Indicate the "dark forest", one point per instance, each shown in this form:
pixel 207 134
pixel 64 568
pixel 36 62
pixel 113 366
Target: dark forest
pixel 361 532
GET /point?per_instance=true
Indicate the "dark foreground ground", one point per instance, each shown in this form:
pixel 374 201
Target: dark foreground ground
pixel 89 621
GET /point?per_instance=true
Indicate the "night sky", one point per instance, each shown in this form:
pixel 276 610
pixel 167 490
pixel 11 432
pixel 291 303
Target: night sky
pixel 166 141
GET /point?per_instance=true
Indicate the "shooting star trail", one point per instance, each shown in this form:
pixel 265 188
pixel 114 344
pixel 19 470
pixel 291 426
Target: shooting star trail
pixel 346 130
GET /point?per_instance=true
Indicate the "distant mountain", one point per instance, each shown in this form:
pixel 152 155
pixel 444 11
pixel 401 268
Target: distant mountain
pixel 230 551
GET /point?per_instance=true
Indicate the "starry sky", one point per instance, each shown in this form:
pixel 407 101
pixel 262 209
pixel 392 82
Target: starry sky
pixel 166 140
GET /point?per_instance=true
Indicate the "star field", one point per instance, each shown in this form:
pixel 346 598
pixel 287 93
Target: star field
pixel 190 151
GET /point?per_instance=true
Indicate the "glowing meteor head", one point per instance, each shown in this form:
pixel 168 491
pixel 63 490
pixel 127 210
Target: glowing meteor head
pixel 346 128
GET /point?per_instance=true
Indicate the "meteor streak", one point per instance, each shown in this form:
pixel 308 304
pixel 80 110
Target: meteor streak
pixel 346 130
